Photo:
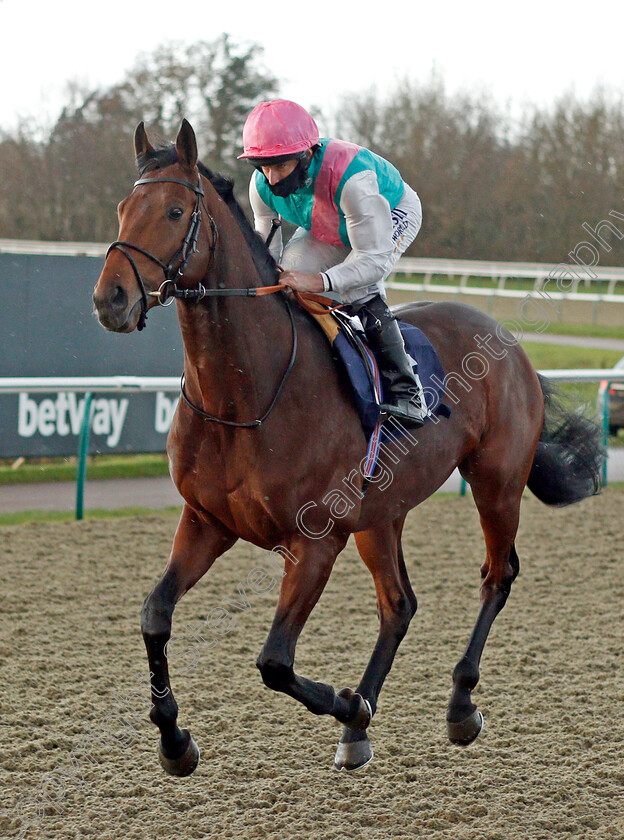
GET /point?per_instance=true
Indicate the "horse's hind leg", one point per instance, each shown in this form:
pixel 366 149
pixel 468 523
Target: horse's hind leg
pixel 396 604
pixel 498 503
pixel 196 546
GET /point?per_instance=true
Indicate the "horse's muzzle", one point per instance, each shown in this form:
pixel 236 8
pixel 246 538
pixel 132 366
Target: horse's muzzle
pixel 114 311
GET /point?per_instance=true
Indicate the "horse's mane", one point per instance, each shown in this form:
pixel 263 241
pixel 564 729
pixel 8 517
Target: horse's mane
pixel 166 155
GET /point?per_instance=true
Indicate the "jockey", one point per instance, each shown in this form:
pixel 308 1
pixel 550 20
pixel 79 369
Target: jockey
pixel 355 217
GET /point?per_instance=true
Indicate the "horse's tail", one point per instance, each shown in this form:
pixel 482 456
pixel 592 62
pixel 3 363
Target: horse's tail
pixel 568 460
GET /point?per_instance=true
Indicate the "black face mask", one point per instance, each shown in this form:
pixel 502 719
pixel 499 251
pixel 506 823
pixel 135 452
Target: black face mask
pixel 291 183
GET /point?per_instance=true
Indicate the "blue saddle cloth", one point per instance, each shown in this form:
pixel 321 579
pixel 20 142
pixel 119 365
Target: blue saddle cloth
pixel 355 357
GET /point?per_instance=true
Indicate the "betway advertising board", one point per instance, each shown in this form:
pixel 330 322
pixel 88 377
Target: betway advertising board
pixel 47 329
pixel 40 425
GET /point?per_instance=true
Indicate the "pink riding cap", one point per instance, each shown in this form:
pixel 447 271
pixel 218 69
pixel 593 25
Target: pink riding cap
pixel 278 127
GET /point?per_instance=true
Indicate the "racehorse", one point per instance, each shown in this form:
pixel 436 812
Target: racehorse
pixel 266 427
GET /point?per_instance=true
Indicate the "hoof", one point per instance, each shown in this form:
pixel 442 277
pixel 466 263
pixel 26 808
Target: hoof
pixel 186 763
pixel 467 730
pixel 360 712
pixel 353 756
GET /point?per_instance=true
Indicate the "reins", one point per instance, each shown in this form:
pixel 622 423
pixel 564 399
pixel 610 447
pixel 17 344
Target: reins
pixel 250 423
pixel 305 299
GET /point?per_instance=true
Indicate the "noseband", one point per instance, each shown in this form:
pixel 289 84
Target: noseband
pixel 178 262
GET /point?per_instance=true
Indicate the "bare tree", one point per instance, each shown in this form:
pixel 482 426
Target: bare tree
pixel 491 194
pixel 67 186
pixel 230 80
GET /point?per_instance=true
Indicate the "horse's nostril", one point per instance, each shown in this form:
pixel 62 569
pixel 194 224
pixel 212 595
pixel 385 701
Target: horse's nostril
pixel 119 298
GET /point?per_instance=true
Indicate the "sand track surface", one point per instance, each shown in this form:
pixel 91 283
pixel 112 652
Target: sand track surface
pixel 548 765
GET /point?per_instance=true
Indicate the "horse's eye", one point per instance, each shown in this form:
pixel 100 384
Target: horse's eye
pixel 175 213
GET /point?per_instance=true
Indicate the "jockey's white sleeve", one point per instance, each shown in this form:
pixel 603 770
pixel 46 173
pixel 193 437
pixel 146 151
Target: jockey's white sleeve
pixel 263 217
pixel 369 228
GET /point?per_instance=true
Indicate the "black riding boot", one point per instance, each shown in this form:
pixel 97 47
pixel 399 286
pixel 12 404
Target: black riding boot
pixel 402 388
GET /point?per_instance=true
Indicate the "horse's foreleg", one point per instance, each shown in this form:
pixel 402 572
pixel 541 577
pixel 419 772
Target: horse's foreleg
pixel 196 546
pixel 396 605
pixel 499 519
pixel 302 586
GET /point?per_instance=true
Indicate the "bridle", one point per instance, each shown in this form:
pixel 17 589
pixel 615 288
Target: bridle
pixel 168 290
pixel 177 264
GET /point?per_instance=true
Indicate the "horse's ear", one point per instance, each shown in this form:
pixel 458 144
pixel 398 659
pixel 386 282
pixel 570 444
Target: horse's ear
pixel 142 145
pixel 186 145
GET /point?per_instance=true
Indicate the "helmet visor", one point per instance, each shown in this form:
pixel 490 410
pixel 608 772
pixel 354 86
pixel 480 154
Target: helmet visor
pixel 259 162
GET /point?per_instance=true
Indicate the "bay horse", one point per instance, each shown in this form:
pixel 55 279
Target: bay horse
pixel 267 427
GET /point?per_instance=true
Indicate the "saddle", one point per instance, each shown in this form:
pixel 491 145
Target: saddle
pixel 352 352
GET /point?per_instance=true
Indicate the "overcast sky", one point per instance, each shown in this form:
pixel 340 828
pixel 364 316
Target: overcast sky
pixel 529 52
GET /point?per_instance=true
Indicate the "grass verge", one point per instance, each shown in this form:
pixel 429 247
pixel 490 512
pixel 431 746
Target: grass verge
pixel 562 356
pixel 587 331
pixel 98 467
pixel 28 516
